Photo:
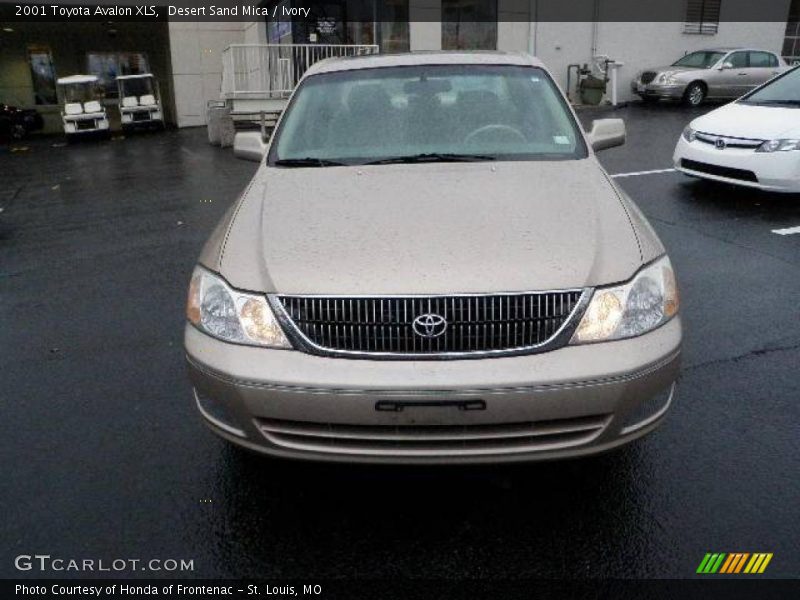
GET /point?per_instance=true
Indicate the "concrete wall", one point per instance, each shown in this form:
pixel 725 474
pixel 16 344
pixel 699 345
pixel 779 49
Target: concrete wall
pixel 425 28
pixel 255 32
pixel 196 49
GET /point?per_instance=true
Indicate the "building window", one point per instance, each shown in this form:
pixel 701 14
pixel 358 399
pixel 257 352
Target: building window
pixel 279 30
pixel 393 24
pixel 702 17
pixel 43 75
pixel 469 24
pixel 107 65
pixel 791 43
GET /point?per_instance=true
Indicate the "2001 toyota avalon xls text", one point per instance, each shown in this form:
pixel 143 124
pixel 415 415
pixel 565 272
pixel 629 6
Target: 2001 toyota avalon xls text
pixel 430 265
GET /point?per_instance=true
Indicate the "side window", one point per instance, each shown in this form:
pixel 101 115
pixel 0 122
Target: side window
pixel 738 60
pixel 761 60
pixel 773 61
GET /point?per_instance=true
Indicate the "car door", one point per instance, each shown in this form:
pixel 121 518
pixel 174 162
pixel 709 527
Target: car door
pixel 732 80
pixel 762 66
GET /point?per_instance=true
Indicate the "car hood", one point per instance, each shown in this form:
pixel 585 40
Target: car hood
pixel 430 229
pixel 671 69
pixel 750 121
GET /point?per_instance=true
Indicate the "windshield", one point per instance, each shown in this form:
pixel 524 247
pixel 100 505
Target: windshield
pixel 784 90
pixel 137 86
pixel 699 60
pixel 430 112
pixel 80 92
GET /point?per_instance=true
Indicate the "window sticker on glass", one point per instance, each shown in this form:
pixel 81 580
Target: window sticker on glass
pixel 561 139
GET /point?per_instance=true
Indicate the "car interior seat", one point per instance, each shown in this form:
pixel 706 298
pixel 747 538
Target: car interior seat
pixel 73 108
pixel 428 121
pixel 368 118
pixel 147 100
pixel 93 106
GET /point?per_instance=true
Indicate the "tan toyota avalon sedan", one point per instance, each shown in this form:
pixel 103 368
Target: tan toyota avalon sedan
pixel 430 265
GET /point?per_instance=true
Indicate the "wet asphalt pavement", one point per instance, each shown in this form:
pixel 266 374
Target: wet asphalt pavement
pixel 104 455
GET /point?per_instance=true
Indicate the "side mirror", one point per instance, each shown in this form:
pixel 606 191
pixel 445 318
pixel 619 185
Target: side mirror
pixel 606 133
pixel 726 65
pixel 249 145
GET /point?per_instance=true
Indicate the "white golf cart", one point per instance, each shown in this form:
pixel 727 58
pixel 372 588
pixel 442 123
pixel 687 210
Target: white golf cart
pixel 139 101
pixel 81 109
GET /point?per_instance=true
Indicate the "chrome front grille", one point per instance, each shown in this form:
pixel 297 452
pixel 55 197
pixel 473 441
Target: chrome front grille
pixel 430 326
pixel 727 141
pixel 648 76
pixel 433 440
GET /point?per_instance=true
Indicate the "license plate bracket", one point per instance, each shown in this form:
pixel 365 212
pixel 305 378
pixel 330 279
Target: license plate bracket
pixel 400 406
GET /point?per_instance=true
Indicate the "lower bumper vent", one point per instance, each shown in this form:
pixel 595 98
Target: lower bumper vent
pixel 728 172
pixel 432 440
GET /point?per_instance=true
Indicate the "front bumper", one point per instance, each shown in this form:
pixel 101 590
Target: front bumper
pixel 672 91
pixel 772 171
pixel 572 401
pixel 85 123
pixel 133 116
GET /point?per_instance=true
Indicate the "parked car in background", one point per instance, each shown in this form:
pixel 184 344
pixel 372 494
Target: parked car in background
pixel 16 123
pixel 754 141
pixel 432 266
pixel 717 73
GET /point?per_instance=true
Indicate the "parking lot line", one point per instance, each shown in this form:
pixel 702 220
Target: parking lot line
pixel 636 173
pixel 787 231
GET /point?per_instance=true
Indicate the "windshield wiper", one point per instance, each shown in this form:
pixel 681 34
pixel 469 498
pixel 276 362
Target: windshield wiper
pixel 431 157
pixel 308 161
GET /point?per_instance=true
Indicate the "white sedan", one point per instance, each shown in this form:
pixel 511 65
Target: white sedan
pixel 754 141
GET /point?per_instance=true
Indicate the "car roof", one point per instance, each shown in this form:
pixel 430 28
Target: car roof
pixel 140 76
pixel 376 61
pixel 732 48
pixel 76 79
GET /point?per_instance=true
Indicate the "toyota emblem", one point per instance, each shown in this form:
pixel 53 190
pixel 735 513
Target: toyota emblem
pixel 720 144
pixel 429 325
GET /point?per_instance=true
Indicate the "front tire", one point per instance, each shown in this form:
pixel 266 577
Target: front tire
pixel 695 94
pixel 18 131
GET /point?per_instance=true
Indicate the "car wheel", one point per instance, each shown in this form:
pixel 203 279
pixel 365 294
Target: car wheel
pixel 18 131
pixel 695 94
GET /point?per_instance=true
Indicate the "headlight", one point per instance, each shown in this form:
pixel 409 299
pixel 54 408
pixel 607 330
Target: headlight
pixel 230 315
pixel 666 78
pixel 779 146
pixel 645 302
pixel 689 134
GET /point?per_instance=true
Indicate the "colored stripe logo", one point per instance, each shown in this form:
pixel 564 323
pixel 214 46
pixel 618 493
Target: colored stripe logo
pixel 734 563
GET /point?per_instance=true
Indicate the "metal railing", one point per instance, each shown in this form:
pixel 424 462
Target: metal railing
pixel 273 70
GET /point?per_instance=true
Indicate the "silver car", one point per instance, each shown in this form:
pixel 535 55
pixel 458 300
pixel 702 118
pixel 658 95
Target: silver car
pixel 430 265
pixel 716 73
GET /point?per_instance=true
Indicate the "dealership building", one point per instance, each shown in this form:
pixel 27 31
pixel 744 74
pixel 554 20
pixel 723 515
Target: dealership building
pixel 187 56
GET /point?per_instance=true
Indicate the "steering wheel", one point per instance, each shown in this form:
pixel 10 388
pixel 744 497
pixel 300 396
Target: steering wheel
pixel 495 128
